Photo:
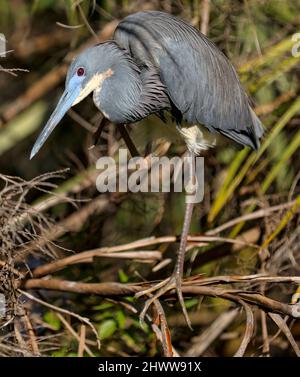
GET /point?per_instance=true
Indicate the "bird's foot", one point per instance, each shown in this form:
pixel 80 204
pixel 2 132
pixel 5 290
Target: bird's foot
pixel 174 282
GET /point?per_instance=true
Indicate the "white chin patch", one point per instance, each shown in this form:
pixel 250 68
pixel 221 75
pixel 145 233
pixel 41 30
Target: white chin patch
pixel 95 82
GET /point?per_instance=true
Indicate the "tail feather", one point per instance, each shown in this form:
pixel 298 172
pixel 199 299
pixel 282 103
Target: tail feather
pixel 258 130
pixel 247 136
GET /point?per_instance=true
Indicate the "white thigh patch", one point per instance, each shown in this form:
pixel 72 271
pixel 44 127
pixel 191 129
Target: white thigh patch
pixel 197 138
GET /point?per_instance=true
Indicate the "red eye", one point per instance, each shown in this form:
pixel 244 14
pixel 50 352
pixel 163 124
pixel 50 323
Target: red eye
pixel 80 71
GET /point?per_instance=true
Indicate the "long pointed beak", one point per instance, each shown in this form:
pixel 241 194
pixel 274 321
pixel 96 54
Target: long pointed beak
pixel 65 103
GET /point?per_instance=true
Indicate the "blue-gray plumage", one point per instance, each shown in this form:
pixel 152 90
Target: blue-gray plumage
pixel 200 80
pixel 158 63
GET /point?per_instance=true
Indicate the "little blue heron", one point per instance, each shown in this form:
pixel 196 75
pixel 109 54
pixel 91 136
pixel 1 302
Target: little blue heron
pixel 158 63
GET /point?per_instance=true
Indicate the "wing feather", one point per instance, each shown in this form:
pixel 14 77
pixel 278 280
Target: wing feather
pixel 200 80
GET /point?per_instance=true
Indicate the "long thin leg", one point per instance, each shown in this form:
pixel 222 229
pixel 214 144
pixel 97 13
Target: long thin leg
pixel 175 281
pixel 186 224
pixel 128 141
pixel 124 134
pixel 98 133
pixel 178 271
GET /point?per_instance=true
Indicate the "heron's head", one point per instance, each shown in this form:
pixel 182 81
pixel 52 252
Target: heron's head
pixel 86 73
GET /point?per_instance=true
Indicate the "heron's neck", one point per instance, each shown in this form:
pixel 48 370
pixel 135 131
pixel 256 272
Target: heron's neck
pixel 119 95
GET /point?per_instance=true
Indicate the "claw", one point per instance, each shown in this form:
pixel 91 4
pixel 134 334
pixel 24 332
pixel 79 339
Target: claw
pixel 174 282
pixel 151 289
pixel 181 302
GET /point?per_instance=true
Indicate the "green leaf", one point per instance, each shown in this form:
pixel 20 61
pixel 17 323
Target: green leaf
pixel 122 276
pixel 104 306
pixel 22 126
pixel 107 328
pixel 60 353
pixel 52 319
pixel 121 319
pixel 190 303
pixel 289 151
pixel 283 223
pixel 232 181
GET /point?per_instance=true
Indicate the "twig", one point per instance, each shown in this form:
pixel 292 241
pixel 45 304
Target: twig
pixel 257 278
pixel 71 224
pixel 12 71
pixel 202 342
pixel 81 340
pixel 164 334
pixel 21 341
pixel 87 23
pixel 118 289
pixel 248 332
pixel 287 332
pixel 87 256
pixel 205 10
pixel 41 43
pixel 271 106
pixel 264 330
pixel 50 80
pixel 164 338
pixel 64 311
pixel 16 272
pixel 251 216
pixel 65 26
pixel 101 289
pixel 31 335
pixel 73 333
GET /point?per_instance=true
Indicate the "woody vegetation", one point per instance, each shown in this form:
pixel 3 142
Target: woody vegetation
pixel 72 259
